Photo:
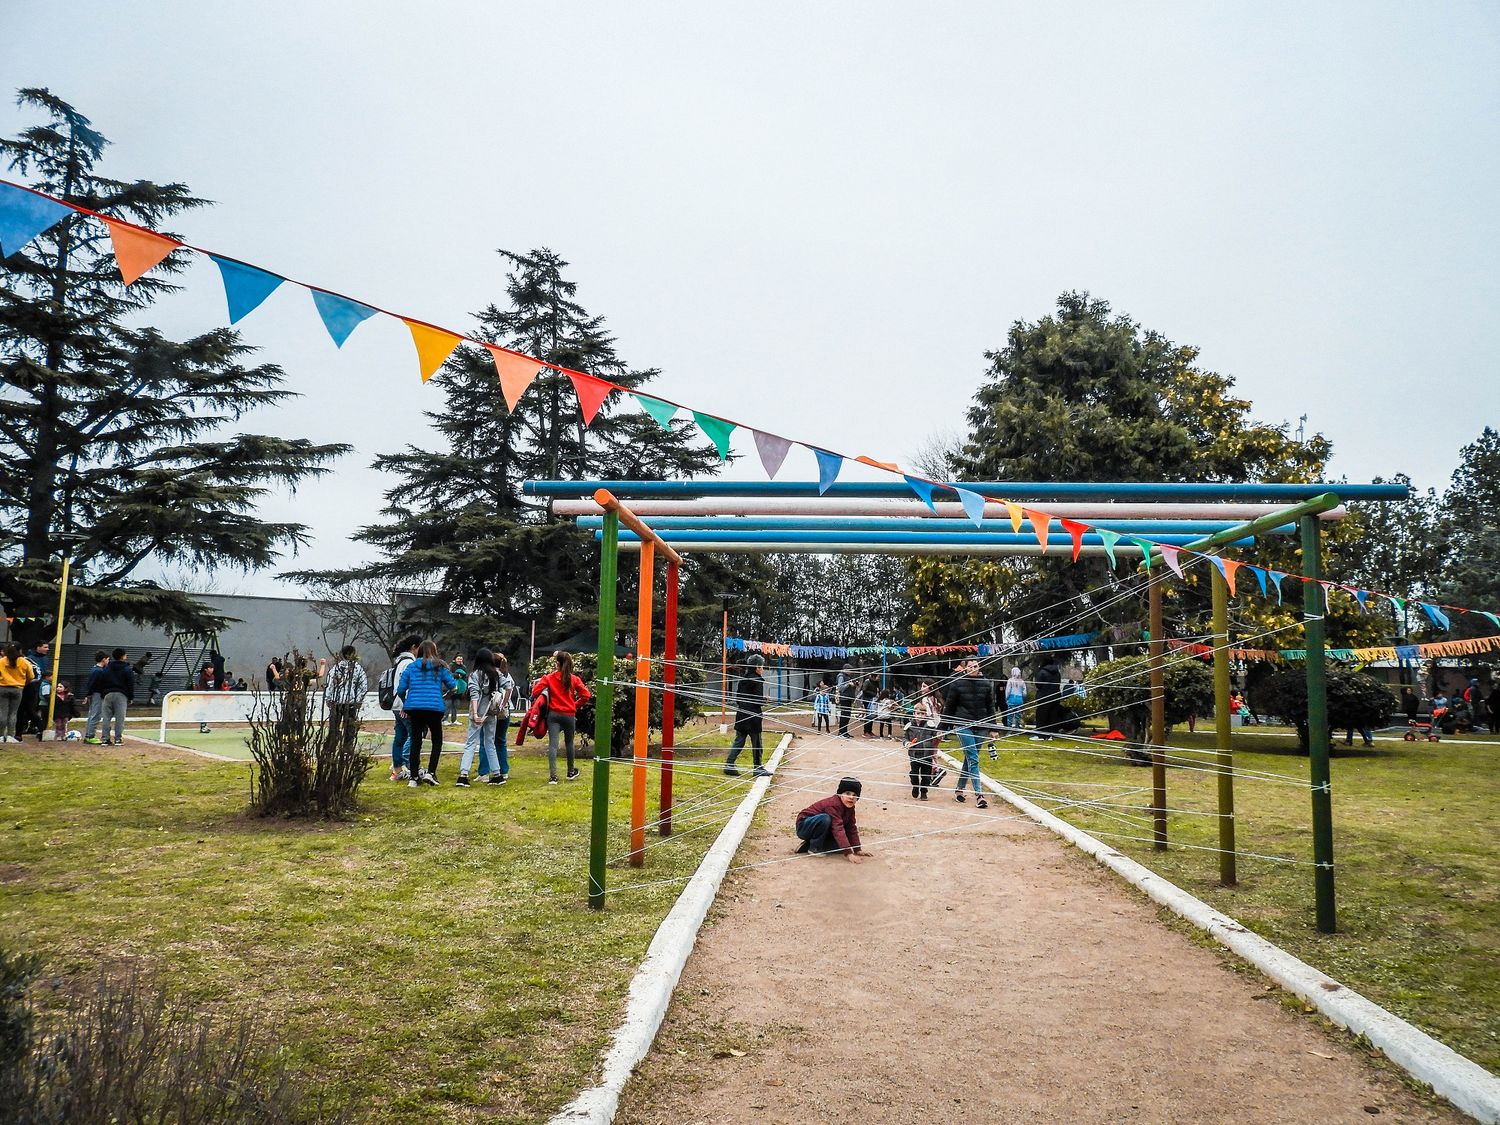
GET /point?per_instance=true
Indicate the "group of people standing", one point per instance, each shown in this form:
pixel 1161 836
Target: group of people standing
pixel 25 692
pixel 424 688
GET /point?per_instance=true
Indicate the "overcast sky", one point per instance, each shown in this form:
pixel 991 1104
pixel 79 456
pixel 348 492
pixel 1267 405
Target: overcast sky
pixel 815 218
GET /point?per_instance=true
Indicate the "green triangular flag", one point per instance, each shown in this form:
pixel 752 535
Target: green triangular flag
pixel 1145 549
pixel 1110 538
pixel 663 412
pixel 718 432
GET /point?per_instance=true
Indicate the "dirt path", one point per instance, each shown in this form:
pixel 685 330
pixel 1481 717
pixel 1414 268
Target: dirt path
pixel 981 974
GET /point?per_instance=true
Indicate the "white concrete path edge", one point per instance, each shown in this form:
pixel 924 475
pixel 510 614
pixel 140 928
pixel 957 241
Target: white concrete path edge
pixel 651 990
pixel 1462 1081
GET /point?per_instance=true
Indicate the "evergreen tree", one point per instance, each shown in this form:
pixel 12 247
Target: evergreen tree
pixel 1470 538
pixel 1084 395
pixel 455 522
pixel 110 433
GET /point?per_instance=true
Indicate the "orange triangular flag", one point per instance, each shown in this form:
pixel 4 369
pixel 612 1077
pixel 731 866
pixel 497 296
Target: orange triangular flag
pixel 137 250
pixel 434 345
pixel 591 395
pixel 888 466
pixel 1017 515
pixel 1230 566
pixel 1039 523
pixel 516 371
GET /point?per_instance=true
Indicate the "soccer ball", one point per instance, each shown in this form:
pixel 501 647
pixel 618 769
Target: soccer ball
pixel 73 736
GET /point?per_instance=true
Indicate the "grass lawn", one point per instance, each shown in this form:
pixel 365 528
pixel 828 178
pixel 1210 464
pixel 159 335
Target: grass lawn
pixel 1416 847
pixel 433 960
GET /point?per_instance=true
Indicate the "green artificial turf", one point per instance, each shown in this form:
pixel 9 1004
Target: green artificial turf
pixel 1416 849
pixel 433 959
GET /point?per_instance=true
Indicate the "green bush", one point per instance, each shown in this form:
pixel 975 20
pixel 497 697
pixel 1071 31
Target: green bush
pixel 1119 692
pixel 1355 700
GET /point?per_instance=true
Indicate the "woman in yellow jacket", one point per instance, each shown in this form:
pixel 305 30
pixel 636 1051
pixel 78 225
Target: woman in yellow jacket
pixel 15 673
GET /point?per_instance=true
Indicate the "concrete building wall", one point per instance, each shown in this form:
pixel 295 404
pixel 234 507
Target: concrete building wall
pixel 264 627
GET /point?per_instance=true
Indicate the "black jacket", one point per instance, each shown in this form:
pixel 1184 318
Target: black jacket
pixel 116 676
pixel 970 699
pixel 749 700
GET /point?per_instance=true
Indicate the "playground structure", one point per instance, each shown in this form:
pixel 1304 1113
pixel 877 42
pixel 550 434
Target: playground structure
pixel 801 517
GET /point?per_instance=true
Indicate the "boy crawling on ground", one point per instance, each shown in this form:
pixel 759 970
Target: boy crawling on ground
pixel 828 825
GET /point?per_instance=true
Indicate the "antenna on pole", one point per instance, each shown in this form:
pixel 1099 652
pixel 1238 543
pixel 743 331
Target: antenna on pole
pixel 1302 428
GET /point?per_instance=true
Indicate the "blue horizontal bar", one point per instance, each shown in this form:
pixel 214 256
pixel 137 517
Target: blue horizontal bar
pixel 929 525
pixel 1062 544
pixel 1009 490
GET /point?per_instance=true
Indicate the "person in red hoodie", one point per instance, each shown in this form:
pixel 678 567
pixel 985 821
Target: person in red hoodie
pixel 565 693
pixel 828 825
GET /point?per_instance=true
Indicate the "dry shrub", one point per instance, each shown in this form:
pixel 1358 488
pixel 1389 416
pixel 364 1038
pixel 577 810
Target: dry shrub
pixel 308 759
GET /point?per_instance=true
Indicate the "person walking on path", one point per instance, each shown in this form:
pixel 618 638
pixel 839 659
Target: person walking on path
pixel 15 673
pixel 1015 699
pixel 95 698
pixel 405 653
pixel 485 705
pixel 117 682
pixel 822 710
pixel 828 826
pixel 848 693
pixel 970 706
pixel 459 693
pixel 565 693
pixel 749 703
pixel 421 689
pixel 921 746
pixel 345 697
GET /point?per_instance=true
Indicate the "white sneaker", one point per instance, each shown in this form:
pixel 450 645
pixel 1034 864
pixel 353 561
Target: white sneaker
pixel 413 783
pixel 552 781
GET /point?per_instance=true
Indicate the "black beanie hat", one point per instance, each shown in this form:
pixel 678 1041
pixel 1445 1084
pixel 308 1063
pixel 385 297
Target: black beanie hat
pixel 849 785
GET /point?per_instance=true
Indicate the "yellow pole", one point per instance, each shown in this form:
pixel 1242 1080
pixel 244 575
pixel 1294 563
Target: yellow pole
pixel 62 607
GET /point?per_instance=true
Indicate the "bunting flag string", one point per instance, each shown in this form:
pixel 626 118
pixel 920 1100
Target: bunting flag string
pixel 26 213
pixel 841 652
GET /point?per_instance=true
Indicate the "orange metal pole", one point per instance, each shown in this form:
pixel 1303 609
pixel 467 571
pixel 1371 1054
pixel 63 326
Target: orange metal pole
pixel 668 700
pixel 642 705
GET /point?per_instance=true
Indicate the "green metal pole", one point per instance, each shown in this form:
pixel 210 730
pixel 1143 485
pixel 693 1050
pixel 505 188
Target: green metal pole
pixel 1314 606
pixel 1320 503
pixel 1225 756
pixel 1157 647
pixel 604 707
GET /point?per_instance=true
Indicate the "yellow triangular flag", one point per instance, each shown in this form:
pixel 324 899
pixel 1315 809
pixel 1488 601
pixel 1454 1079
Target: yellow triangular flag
pixel 433 346
pixel 1016 515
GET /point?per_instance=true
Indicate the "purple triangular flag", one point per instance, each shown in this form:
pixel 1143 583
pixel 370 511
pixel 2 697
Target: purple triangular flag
pixel 772 451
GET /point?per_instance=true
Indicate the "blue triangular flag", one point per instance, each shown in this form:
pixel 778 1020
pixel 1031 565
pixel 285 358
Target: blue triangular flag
pixel 1260 576
pixel 1276 577
pixel 24 215
pixel 1362 596
pixel 973 505
pixel 245 287
pixel 924 490
pixel 1219 563
pixel 1435 615
pixel 828 469
pixel 341 316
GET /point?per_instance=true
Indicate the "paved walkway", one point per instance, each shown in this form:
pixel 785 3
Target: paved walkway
pixel 981 974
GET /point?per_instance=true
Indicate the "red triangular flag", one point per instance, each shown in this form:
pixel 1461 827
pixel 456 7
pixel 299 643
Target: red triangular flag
pixel 1039 524
pixel 1076 530
pixel 137 250
pixel 516 371
pixel 591 395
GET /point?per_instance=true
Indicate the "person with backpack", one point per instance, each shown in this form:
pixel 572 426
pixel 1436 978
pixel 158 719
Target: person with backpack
pixel 461 692
pixel 486 701
pixel 405 653
pixel 344 696
pixel 421 688
pixel 564 693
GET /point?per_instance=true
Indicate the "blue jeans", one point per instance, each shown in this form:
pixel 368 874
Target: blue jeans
pixel 817 831
pixel 970 742
pixel 502 731
pixel 1013 704
pixel 480 737
pixel 400 740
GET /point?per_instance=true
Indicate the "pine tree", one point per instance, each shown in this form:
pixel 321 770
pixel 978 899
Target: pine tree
pixel 110 432
pixel 456 522
pixel 1470 539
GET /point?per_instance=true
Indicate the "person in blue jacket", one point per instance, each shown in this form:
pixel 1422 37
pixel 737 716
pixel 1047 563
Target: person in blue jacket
pixel 422 687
